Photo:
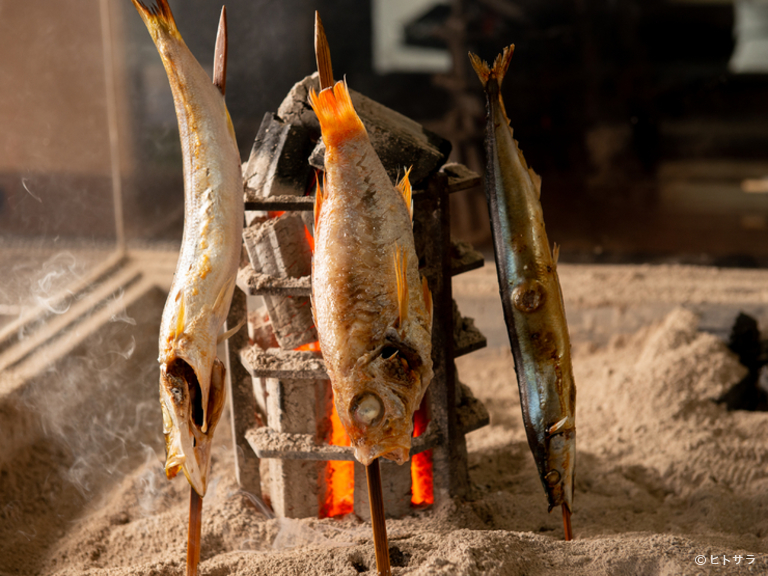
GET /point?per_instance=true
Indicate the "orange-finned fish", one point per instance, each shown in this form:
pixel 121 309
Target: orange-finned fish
pixel 531 297
pixel 372 310
pixel 192 389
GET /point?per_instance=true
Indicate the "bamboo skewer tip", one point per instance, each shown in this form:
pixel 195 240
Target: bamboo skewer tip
pixel 193 535
pixel 378 522
pixel 322 54
pixel 220 53
pixel 567 523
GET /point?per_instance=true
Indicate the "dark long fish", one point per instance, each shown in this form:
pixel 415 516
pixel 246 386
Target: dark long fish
pixel 531 297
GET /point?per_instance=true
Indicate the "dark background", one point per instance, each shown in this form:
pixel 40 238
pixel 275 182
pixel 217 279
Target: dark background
pixel 627 109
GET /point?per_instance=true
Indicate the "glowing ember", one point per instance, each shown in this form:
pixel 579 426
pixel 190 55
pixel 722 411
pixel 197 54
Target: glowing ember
pixel 339 476
pixel 422 492
pixel 312 347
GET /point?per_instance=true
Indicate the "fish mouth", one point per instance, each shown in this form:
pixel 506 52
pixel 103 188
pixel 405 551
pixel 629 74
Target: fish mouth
pixel 399 453
pixel 187 447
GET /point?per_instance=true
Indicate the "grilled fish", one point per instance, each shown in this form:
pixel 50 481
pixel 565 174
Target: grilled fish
pixel 192 389
pixel 531 297
pixel 372 311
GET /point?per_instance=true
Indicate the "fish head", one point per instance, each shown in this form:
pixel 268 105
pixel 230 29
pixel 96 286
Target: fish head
pixel 381 394
pixel 187 446
pixel 557 476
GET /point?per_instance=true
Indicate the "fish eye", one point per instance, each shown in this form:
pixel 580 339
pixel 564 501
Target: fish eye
pixel 367 409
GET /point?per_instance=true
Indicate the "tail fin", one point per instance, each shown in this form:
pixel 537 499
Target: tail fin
pixel 499 68
pixel 337 116
pixel 158 18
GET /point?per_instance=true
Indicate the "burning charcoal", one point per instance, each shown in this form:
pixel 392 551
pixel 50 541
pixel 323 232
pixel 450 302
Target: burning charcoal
pixel 399 141
pixel 279 248
pixel 278 162
pixel 260 330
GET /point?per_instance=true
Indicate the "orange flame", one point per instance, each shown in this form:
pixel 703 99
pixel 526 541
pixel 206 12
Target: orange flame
pixel 339 476
pixel 311 347
pixel 422 488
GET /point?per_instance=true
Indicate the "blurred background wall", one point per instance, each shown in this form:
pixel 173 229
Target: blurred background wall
pixel 651 148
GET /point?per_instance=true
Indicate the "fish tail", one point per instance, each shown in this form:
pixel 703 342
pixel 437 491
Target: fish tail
pixel 158 19
pixel 338 119
pixel 497 71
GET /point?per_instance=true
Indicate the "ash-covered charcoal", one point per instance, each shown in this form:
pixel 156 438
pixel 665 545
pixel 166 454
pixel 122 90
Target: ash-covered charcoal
pixel 744 341
pixel 278 164
pixel 399 141
pixel 278 247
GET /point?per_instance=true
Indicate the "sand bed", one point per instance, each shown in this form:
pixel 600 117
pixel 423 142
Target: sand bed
pixel 664 473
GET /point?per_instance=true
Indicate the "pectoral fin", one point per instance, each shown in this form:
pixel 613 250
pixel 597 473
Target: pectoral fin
pixel 401 279
pixel 229 333
pixel 404 186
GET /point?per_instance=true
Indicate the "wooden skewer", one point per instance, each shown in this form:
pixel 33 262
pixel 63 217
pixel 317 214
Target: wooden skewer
pixel 220 54
pixel 322 54
pixel 567 523
pixel 193 536
pixel 376 498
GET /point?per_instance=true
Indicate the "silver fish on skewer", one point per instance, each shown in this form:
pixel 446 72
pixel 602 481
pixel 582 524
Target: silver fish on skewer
pixel 192 388
pixel 531 297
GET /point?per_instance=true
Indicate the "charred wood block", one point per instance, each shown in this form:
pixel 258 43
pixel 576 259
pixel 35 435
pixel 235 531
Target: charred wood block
pixel 399 141
pixel 286 364
pixel 460 177
pixel 279 248
pixel 260 330
pixel 278 162
pixel 293 407
pixel 258 284
pixel 267 443
pixel 277 203
pixel 395 484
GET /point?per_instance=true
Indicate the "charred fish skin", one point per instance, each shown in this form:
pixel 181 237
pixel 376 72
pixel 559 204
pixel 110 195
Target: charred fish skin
pixel 191 377
pixel 530 294
pixel 372 310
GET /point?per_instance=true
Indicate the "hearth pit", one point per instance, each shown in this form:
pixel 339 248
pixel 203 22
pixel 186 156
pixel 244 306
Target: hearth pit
pixel 282 402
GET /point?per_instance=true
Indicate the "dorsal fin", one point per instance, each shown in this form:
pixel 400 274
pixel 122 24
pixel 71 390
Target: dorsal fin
pixel 401 278
pixel 318 199
pixel 405 189
pixel 220 54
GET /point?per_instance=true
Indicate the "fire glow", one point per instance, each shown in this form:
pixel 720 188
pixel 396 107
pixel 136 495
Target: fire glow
pixel 422 488
pixel 339 476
